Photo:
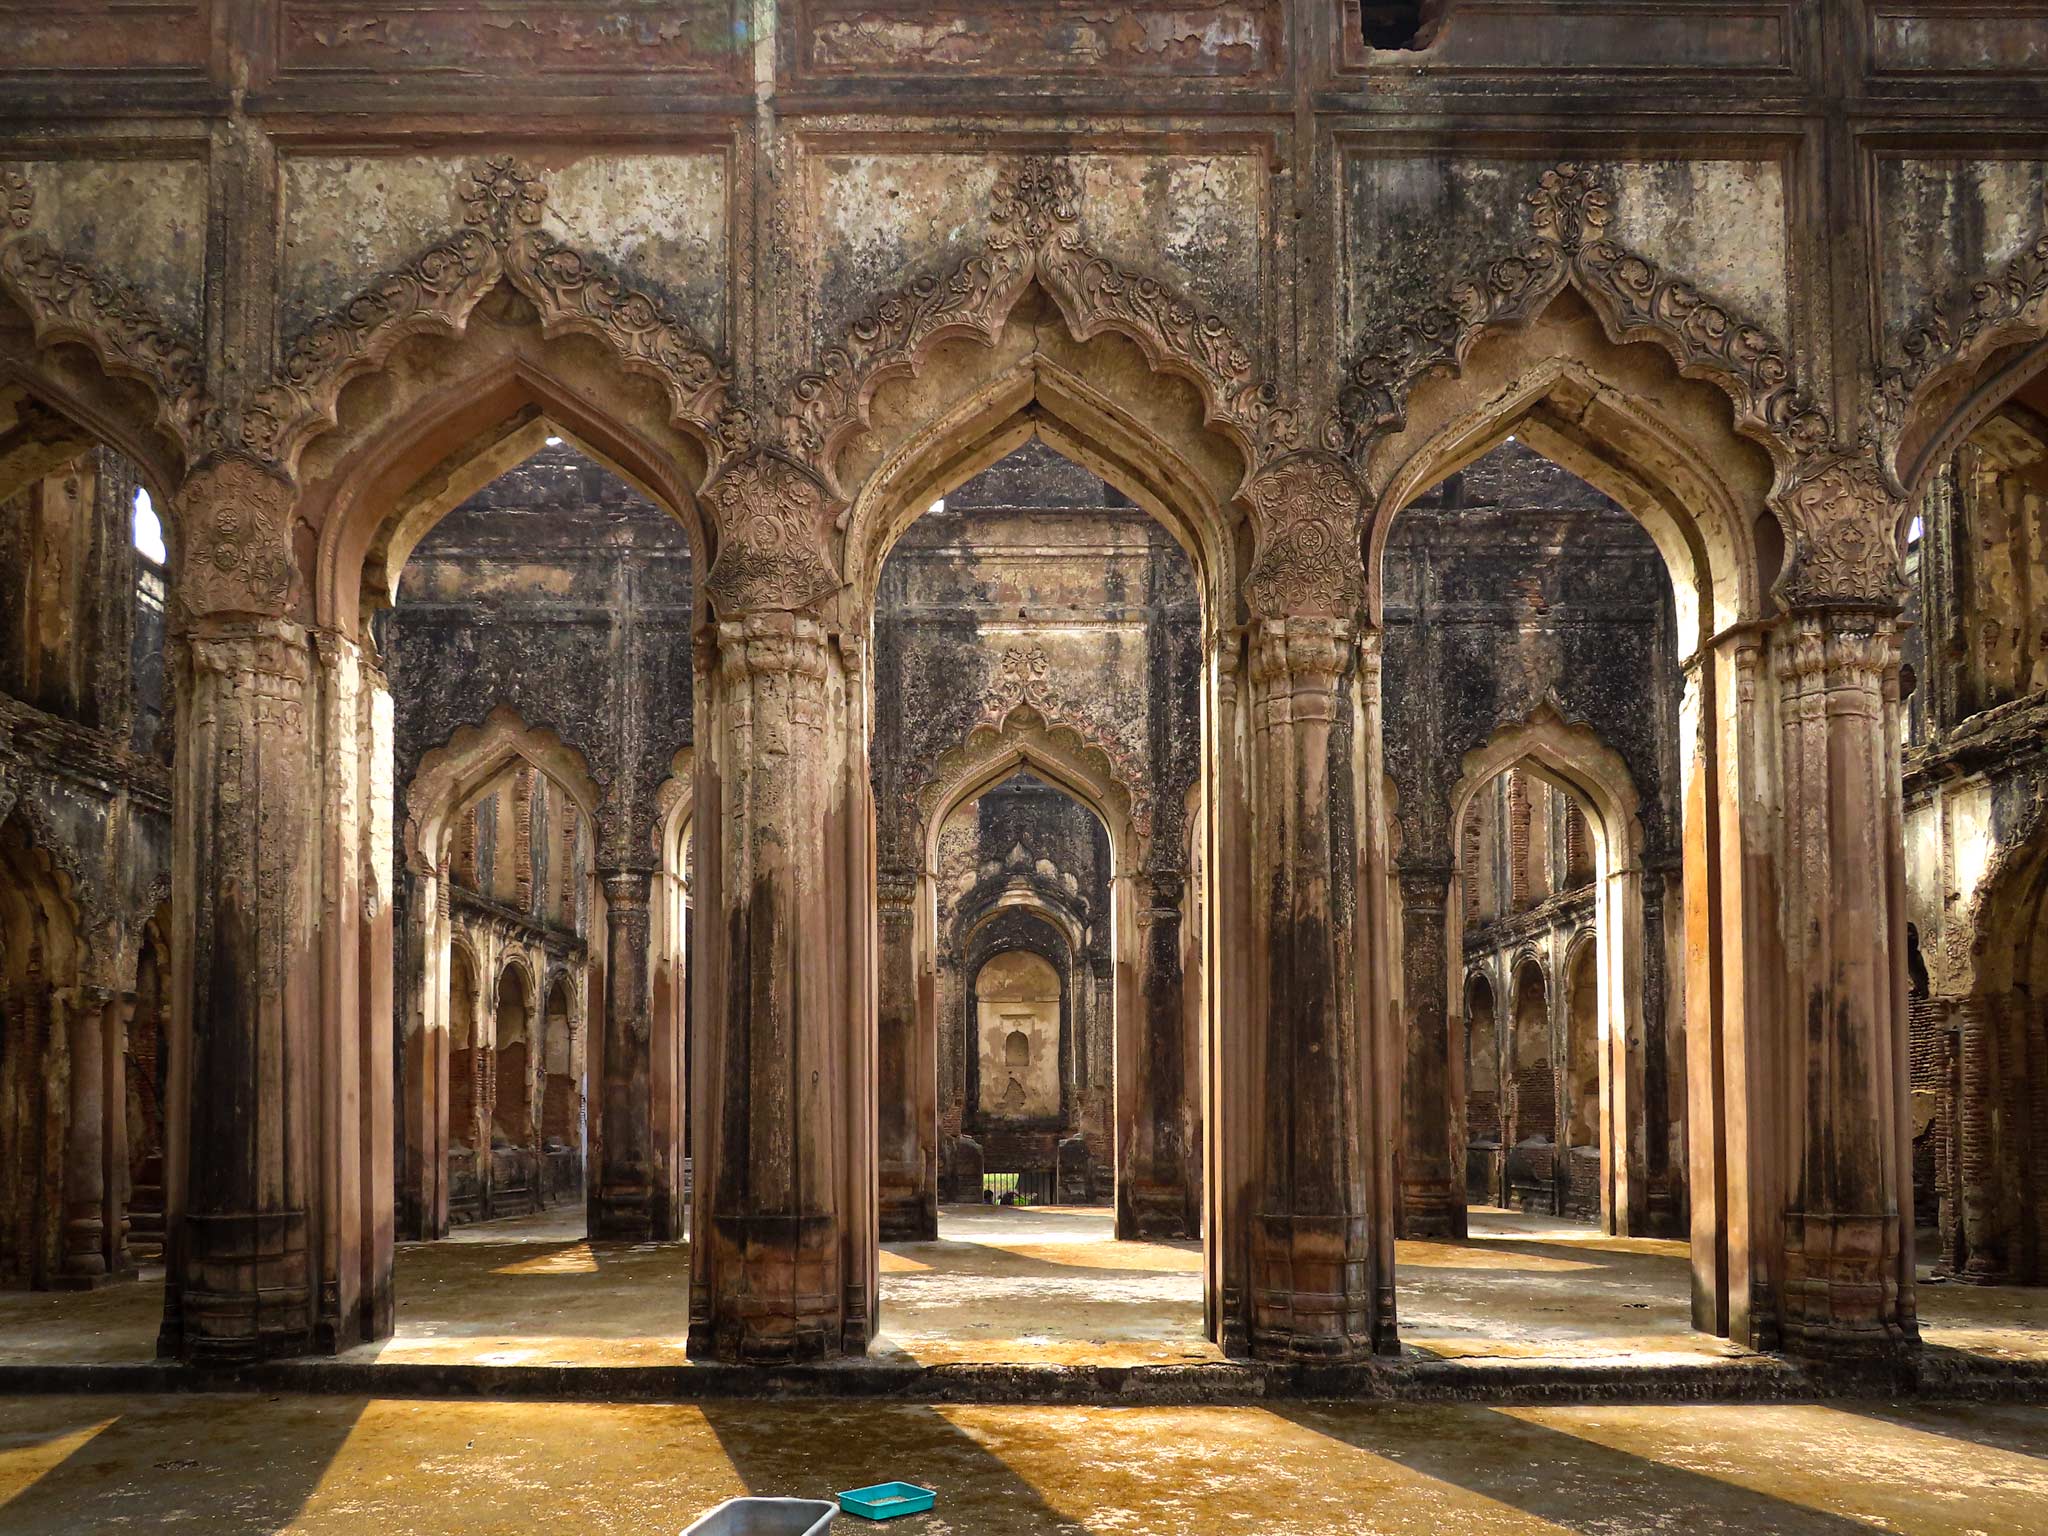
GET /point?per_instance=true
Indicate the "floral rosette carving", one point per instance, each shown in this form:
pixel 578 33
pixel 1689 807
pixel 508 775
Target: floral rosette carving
pixel 1307 560
pixel 1035 199
pixel 1841 520
pixel 772 518
pixel 236 520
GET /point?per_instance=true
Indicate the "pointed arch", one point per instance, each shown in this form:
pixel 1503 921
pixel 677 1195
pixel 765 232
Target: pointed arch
pixel 1619 419
pixel 432 437
pixel 1057 753
pixel 452 777
pixel 1035 240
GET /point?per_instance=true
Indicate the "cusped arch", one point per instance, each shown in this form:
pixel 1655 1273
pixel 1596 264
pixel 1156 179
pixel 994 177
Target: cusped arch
pixel 1975 347
pixel 1166 466
pixel 452 777
pixel 1035 241
pixel 1058 753
pixel 1572 758
pixel 1635 299
pixel 70 304
pixel 1618 420
pixel 379 484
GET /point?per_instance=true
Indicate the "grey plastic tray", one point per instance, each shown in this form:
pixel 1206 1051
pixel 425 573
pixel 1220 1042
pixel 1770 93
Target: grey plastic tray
pixel 765 1517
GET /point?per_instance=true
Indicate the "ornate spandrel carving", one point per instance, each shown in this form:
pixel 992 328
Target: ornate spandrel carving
pixel 1840 521
pixel 235 547
pixel 1034 233
pixel 773 522
pixel 68 300
pixel 1307 561
pixel 503 238
pixel 1637 299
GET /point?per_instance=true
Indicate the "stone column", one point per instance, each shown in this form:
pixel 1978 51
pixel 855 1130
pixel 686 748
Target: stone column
pixel 1432 1171
pixel 906 1046
pixel 622 1185
pixel 1847 1239
pixel 770 1267
pixel 118 1015
pixel 1311 1232
pixel 1157 1193
pixel 241 1180
pixel 84 1262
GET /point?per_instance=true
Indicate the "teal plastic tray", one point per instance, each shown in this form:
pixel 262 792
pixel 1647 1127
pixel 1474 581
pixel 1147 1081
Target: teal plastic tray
pixel 885 1501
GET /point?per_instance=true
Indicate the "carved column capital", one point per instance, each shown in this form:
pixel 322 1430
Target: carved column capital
pixel 233 519
pixel 895 889
pixel 1308 514
pixel 625 888
pixel 1841 530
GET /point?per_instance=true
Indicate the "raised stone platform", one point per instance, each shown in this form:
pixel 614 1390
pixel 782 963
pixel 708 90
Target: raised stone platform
pixel 1043 1306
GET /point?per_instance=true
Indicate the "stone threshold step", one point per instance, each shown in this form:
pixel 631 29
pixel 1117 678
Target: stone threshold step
pixel 1936 1376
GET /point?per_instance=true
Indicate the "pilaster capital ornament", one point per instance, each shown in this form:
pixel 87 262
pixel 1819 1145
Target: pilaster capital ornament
pixel 774 520
pixel 1840 520
pixel 896 887
pixel 235 549
pixel 1307 562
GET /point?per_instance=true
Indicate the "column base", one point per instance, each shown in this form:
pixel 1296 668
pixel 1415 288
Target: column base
pixel 775 1293
pixel 1434 1211
pixel 1147 1212
pixel 1312 1288
pixel 76 1282
pixel 1841 1298
pixel 622 1216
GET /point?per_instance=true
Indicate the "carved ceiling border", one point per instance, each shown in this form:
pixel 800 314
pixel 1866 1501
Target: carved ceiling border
pixel 68 300
pixel 1035 234
pixel 501 239
pixel 1637 300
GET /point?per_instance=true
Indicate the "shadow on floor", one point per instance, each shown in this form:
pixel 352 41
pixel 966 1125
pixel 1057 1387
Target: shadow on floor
pixel 241 1465
pixel 784 1452
pixel 1576 1484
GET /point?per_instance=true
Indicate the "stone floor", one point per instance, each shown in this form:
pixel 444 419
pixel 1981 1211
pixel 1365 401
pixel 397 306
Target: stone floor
pixel 1046 1286
pixel 348 1465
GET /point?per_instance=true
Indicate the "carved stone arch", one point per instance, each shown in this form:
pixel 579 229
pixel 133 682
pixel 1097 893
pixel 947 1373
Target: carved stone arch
pixel 1060 753
pixel 1585 404
pixel 1635 298
pixel 377 484
pixel 1036 396
pixel 437 291
pixel 68 301
pixel 1572 758
pixel 1971 351
pixel 1034 239
pixel 1528 958
pixel 48 888
pixel 453 776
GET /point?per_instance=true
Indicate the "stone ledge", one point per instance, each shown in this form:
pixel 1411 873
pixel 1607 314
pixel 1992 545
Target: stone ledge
pixel 1936 1375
